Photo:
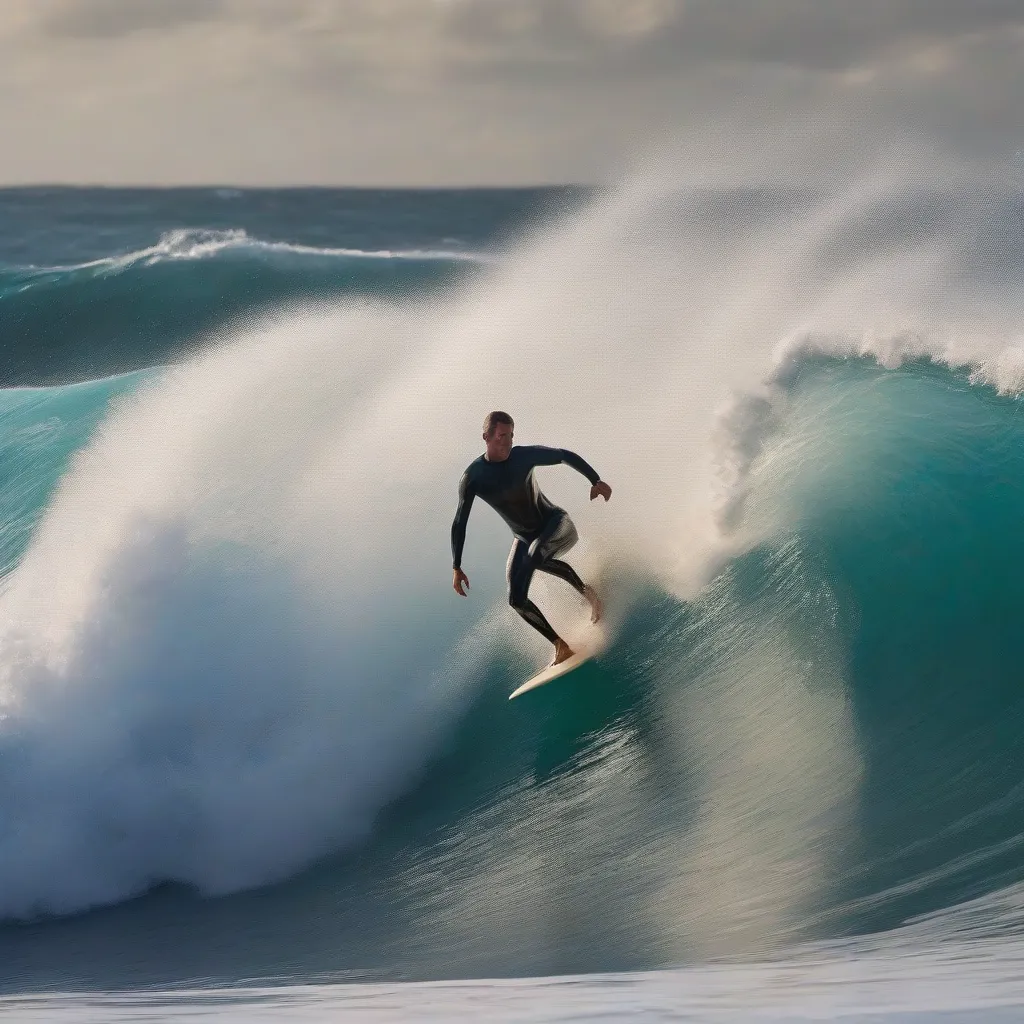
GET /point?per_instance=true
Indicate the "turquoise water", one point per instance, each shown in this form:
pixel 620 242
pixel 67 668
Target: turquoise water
pixel 249 733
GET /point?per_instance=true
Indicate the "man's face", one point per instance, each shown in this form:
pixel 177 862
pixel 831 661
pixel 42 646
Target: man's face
pixel 499 442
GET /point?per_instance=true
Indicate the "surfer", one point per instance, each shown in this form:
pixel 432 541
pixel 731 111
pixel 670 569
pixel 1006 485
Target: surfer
pixel 503 477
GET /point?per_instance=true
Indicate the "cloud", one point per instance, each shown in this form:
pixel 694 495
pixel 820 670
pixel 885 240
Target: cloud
pixel 381 91
pixel 109 19
pixel 813 34
pixel 823 34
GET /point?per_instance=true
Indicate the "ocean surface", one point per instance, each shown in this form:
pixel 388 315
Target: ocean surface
pixel 257 760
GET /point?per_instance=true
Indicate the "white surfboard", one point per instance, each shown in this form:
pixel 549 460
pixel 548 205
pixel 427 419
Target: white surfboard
pixel 552 672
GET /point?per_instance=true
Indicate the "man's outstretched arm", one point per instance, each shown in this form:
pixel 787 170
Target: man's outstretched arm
pixel 541 455
pixel 466 496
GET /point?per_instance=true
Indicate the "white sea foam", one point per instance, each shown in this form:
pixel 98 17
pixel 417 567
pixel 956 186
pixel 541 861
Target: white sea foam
pixel 969 984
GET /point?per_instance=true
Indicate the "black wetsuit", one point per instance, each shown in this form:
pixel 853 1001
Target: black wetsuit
pixel 542 529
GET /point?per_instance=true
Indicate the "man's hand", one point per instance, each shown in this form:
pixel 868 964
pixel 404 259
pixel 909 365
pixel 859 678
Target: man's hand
pixel 600 488
pixel 458 580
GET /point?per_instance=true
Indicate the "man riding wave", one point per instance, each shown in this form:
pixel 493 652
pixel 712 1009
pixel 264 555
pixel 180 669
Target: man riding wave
pixel 503 477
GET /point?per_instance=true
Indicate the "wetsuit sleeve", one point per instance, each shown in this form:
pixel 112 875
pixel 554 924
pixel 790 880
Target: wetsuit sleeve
pixel 466 495
pixel 540 455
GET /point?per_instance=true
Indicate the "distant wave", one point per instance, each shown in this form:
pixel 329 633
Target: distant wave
pixel 202 243
pixel 125 312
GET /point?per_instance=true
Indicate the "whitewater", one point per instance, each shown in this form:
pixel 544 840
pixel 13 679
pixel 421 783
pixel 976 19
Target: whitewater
pixel 249 734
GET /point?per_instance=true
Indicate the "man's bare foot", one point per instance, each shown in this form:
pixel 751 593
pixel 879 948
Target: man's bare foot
pixel 596 605
pixel 562 652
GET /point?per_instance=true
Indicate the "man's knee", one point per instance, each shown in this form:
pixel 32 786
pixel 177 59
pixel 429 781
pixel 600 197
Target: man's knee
pixel 560 540
pixel 567 537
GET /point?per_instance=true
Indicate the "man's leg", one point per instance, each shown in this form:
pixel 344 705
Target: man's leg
pixel 564 571
pixel 561 538
pixel 519 573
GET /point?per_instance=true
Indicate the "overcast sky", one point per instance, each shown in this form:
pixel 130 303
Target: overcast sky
pixel 411 92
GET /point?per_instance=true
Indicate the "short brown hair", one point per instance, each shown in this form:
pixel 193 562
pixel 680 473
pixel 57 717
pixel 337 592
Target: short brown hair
pixel 492 419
